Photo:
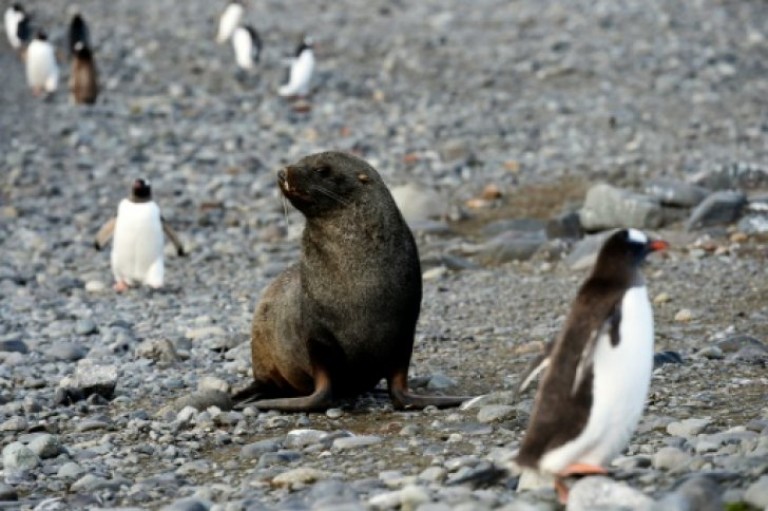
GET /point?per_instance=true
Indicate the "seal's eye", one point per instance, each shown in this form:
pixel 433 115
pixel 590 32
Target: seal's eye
pixel 363 178
pixel 323 170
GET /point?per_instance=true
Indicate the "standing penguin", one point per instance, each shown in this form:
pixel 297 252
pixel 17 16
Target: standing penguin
pixel 16 25
pixel 42 69
pixel 78 33
pixel 598 370
pixel 229 20
pixel 247 45
pixel 84 78
pixel 137 250
pixel 302 67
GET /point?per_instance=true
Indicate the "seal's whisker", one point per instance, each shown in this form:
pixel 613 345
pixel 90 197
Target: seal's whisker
pixel 285 211
pixel 332 195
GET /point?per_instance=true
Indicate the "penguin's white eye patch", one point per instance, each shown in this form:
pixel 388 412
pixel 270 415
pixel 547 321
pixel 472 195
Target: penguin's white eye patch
pixel 637 236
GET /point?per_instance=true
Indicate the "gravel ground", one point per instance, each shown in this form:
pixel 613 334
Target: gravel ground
pixel 539 100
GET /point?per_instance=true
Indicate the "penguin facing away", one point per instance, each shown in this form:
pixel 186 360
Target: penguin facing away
pixel 598 370
pixel 137 248
pixel 42 69
pixel 302 67
pixel 84 78
pixel 247 45
pixel 78 33
pixel 16 25
pixel 229 20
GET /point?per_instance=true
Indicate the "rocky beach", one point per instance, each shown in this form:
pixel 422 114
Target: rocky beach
pixel 513 135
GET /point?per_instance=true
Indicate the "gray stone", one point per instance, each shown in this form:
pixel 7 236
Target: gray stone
pixel 598 492
pixel 45 445
pixel 90 378
pixel 199 400
pixel 68 351
pixel 670 458
pixel 720 208
pixel 672 192
pixel 8 493
pixel 698 493
pixel 188 504
pixel 256 449
pixel 688 427
pixel 85 327
pixel 506 247
pixel 300 438
pixel 19 457
pixel 754 224
pixel 607 207
pixel 90 483
pixel 159 350
pixel 355 442
pixel 299 476
pixel 516 225
pixel 566 225
pixel 757 493
pixel 70 470
pixel 534 480
pixel 496 413
pixel 13 344
pixel 734 175
pixel 16 423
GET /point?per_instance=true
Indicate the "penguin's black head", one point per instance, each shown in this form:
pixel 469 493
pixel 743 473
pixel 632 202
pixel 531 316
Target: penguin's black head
pixel 141 190
pixel 625 249
pixel 306 43
pixel 41 35
pixel 17 7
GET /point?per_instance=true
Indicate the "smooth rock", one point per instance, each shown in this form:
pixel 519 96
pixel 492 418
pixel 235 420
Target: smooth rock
pixel 757 493
pixel 566 225
pixel 200 400
pixel 599 492
pixel 70 470
pixel 299 476
pixel 688 427
pixel 607 207
pixel 91 378
pixel 720 208
pixel 496 413
pixel 418 203
pixel 188 504
pixel 45 445
pixel 672 192
pixel 67 351
pixel 355 442
pixel 13 345
pixel 753 224
pixel 19 457
pixel 670 458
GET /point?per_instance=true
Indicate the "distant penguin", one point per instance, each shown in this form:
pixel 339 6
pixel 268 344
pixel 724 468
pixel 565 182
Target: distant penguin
pixel 302 67
pixel 598 370
pixel 78 33
pixel 137 248
pixel 16 25
pixel 247 46
pixel 229 20
pixel 42 69
pixel 84 78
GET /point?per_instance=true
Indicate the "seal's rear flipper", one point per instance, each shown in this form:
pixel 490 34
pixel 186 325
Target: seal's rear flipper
pixel 404 399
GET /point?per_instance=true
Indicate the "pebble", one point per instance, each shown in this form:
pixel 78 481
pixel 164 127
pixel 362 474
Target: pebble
pixel 19 457
pixel 496 413
pixel 670 458
pixel 355 442
pixel 188 504
pixel 598 492
pixel 45 445
pixel 757 493
pixel 684 316
pixel 299 476
pixel 608 207
pixel 718 209
pixel 688 427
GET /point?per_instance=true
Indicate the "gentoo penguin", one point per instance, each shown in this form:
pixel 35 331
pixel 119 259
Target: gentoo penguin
pixel 137 249
pixel 16 25
pixel 302 67
pixel 78 33
pixel 247 45
pixel 42 69
pixel 229 20
pixel 83 80
pixel 598 370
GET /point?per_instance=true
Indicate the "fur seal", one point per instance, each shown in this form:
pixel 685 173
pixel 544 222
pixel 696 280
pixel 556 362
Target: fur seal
pixel 137 250
pixel 342 318
pixel 84 78
pixel 598 370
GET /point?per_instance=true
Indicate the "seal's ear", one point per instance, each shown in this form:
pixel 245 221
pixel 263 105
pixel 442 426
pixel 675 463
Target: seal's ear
pixel 363 178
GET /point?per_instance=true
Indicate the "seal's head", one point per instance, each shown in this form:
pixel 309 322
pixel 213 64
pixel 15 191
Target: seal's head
pixel 328 182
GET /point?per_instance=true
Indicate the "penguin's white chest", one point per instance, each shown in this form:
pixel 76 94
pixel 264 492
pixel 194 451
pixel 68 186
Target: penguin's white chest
pixel 12 20
pixel 42 70
pixel 137 250
pixel 242 42
pixel 229 21
pixel 300 76
pixel 621 377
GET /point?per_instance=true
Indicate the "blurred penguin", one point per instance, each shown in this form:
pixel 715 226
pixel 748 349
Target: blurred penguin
pixel 78 33
pixel 42 69
pixel 229 20
pixel 84 79
pixel 137 248
pixel 16 26
pixel 247 45
pixel 302 67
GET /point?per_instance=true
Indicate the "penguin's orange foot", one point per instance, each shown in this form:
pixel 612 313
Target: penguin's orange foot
pixel 120 286
pixel 581 469
pixel 562 491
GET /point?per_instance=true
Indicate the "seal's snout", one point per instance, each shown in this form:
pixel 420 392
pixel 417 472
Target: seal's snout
pixel 282 179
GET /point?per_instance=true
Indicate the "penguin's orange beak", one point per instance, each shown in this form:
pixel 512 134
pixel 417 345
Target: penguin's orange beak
pixel 657 245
